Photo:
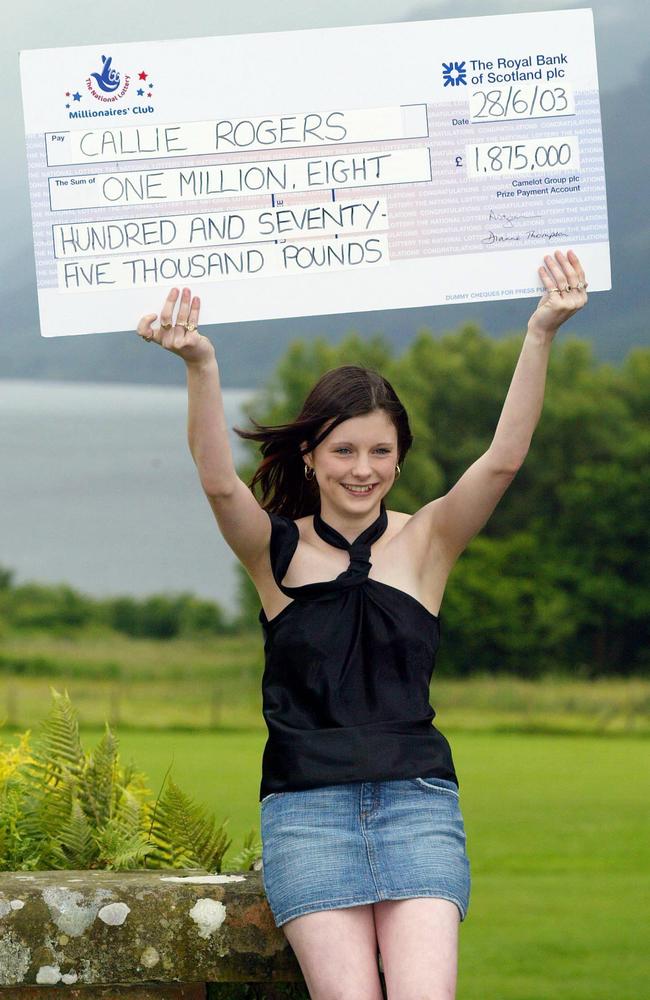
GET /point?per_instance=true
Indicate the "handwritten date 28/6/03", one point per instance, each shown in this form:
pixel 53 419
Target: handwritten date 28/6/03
pixel 526 101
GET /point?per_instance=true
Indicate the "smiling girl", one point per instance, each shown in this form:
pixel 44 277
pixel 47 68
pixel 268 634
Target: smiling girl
pixel 363 837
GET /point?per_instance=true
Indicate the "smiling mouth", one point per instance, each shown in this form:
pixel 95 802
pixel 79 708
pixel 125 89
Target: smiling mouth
pixel 362 490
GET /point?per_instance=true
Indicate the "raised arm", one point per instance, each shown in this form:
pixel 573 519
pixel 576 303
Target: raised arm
pixel 244 525
pixel 450 522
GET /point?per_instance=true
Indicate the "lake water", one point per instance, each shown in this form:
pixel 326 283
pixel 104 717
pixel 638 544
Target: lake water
pixel 98 489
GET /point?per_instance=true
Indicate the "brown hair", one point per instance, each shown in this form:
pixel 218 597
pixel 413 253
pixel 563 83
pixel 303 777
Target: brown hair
pixel 341 393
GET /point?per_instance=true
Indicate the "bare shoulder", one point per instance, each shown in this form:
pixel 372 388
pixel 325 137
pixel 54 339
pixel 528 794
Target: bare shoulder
pixel 304 524
pixel 397 521
pixel 410 562
pixel 413 529
pixel 415 537
pixel 261 572
pixel 399 540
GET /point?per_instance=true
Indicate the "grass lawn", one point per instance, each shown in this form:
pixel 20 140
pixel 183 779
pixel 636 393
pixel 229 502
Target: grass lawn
pixel 553 787
pixel 558 839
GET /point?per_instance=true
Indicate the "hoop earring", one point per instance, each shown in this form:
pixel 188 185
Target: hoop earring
pixel 308 469
pixel 398 472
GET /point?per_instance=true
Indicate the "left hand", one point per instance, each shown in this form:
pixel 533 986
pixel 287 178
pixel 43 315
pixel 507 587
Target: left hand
pixel 555 307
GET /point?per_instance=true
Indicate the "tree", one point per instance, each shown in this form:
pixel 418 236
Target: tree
pixel 555 579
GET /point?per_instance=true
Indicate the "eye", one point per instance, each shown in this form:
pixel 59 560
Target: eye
pixel 384 451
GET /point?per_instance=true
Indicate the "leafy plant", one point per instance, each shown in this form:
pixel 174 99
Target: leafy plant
pixel 64 808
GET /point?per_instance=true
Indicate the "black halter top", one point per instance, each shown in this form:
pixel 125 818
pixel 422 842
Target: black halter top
pixel 348 664
pixel 359 549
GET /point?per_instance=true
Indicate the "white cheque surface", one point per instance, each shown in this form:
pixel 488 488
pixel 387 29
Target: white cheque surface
pixel 313 172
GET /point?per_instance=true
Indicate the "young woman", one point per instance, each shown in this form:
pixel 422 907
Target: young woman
pixel 363 838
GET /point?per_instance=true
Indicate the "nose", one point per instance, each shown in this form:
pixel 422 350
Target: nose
pixel 362 468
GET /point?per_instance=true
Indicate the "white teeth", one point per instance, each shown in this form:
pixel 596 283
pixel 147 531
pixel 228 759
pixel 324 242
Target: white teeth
pixel 358 489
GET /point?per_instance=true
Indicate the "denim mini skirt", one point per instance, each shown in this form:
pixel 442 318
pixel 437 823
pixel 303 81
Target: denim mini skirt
pixel 362 842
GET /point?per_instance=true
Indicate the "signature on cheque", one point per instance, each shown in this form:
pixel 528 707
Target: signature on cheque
pixel 508 222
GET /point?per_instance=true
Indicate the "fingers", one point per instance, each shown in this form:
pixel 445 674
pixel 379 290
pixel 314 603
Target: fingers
pixel 184 308
pixel 569 267
pixel 557 270
pixel 145 329
pixel 182 336
pixel 168 309
pixel 569 276
pixel 194 311
pixel 547 279
pixel 577 266
pixel 571 272
pixel 560 274
pixel 176 336
pixel 173 337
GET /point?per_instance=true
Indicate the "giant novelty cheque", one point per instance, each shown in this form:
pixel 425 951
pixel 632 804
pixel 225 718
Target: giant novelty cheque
pixel 313 172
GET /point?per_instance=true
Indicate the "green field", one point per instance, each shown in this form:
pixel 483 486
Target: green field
pixel 554 782
pixel 557 835
pixel 215 682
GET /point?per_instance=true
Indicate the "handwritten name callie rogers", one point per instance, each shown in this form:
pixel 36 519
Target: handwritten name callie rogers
pixel 223 135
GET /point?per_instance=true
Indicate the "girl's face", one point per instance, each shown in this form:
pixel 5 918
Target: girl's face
pixel 355 464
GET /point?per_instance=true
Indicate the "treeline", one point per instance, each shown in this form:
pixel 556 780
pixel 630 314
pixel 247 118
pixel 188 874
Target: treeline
pixel 558 580
pixel 60 609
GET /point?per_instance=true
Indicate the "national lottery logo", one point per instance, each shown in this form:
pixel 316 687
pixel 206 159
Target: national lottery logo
pixel 454 74
pixel 109 84
pixel 109 79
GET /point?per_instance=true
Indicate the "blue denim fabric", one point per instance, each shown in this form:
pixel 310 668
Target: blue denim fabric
pixel 362 842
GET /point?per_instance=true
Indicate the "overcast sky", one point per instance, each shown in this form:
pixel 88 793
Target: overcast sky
pixel 622 33
pixel 621 27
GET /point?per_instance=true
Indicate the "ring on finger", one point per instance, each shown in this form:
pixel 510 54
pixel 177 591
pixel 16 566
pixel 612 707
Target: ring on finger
pixel 189 327
pixel 165 326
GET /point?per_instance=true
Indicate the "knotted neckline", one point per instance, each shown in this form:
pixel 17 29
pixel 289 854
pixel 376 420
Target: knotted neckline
pixel 359 549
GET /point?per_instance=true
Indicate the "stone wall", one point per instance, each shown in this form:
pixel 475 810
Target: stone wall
pixel 142 935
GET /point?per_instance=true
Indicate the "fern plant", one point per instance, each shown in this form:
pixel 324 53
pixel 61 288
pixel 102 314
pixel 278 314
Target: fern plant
pixel 63 808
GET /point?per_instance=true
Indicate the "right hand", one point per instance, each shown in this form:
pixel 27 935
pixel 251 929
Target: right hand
pixel 189 345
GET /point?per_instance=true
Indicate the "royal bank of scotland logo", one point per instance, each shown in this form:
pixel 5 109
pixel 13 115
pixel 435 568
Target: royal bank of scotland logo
pixel 454 73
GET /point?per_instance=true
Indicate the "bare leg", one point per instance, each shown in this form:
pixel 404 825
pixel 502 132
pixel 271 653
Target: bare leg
pixel 337 953
pixel 418 941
